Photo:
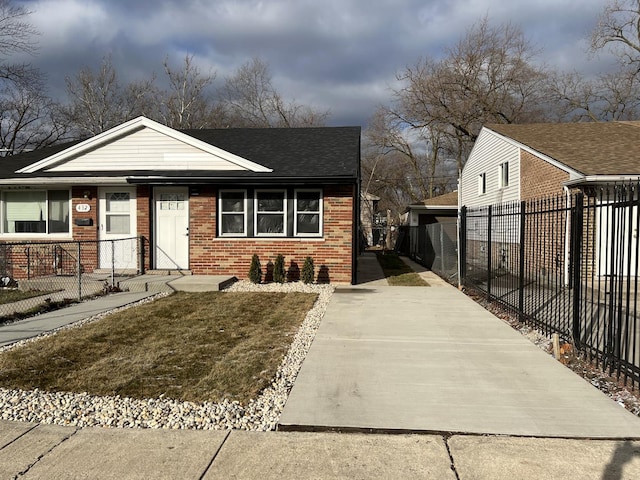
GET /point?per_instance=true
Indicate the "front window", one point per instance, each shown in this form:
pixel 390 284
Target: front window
pixel 270 212
pixel 35 211
pixel 308 213
pixel 233 212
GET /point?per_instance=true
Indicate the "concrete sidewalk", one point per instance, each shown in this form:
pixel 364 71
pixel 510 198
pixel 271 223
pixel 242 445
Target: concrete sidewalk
pixel 432 360
pixel 29 451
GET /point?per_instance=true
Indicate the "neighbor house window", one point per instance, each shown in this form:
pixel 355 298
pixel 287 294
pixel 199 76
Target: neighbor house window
pixel 233 212
pixel 482 183
pixel 35 211
pixel 504 175
pixel 270 212
pixel 308 213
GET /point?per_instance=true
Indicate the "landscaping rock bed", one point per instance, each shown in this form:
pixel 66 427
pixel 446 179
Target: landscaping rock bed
pixel 262 414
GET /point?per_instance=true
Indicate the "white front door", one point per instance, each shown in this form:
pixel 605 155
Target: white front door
pixel 117 215
pixel 172 227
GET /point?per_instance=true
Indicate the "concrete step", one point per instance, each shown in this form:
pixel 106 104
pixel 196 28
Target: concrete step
pixel 202 283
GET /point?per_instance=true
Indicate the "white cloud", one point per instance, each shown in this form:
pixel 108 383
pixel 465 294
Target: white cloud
pixel 337 54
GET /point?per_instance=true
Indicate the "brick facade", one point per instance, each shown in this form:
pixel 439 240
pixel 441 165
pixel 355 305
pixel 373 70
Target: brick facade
pixel 539 178
pixel 331 254
pixel 211 255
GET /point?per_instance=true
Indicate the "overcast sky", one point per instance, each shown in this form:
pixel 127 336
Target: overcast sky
pixel 340 55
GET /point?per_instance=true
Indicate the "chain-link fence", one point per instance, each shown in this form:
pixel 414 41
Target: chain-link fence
pixel 434 246
pixel 37 275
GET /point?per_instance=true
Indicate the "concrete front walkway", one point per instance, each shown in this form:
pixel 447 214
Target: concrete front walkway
pixel 432 360
pixel 29 451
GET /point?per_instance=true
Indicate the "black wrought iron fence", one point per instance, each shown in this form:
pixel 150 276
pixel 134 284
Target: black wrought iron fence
pixel 566 264
pixel 33 274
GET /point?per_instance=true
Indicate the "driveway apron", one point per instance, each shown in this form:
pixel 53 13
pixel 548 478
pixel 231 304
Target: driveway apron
pixel 432 360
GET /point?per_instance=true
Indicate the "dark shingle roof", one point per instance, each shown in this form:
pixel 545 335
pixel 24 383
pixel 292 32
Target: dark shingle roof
pixel 292 153
pixel 593 148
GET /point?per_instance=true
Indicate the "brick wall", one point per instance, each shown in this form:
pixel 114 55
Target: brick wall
pixel 143 219
pixel 332 254
pixel 539 178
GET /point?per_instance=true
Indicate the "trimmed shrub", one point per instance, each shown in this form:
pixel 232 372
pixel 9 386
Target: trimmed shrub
pixel 307 270
pixel 255 270
pixel 278 269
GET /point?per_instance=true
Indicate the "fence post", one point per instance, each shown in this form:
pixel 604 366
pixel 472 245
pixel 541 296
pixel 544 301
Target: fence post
pixel 79 271
pixel 141 256
pixel 462 247
pixel 521 265
pixel 113 263
pixel 443 265
pixel 576 257
pixel 489 248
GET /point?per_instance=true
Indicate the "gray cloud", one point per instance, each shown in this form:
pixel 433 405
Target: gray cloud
pixel 336 54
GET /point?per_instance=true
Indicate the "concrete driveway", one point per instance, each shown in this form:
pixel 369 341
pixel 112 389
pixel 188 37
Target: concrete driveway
pixel 432 360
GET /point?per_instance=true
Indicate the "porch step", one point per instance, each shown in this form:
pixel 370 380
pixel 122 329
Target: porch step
pixel 147 283
pixel 202 283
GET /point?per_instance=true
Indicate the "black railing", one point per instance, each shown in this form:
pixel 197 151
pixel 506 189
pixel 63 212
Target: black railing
pixel 566 265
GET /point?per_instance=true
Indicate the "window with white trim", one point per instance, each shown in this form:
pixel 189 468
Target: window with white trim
pixel 503 179
pixel 35 212
pixel 232 205
pixel 308 213
pixel 270 213
pixel 482 184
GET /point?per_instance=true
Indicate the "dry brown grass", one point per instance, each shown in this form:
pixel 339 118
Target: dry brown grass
pixel 188 346
pixel 13 295
pixel 398 273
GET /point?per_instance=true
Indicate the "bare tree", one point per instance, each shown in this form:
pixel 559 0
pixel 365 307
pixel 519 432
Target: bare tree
pixel 252 101
pixel 16 36
pixel 619 27
pixel 610 96
pixel 28 118
pixel 98 101
pixel 189 103
pixel 489 76
pixel 613 95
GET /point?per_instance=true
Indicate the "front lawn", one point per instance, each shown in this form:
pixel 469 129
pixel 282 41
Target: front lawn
pixel 188 346
pixel 11 295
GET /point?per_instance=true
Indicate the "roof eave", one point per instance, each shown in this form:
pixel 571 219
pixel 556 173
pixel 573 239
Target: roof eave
pixel 202 180
pixel 590 179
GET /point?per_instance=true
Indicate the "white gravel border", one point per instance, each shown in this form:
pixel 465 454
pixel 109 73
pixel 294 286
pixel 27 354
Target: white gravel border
pixel 260 414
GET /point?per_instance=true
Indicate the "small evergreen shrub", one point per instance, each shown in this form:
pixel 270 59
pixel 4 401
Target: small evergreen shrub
pixel 255 270
pixel 307 270
pixel 278 269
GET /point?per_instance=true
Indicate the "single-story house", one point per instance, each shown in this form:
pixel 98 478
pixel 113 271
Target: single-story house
pixel 522 162
pixel 513 163
pixel 205 200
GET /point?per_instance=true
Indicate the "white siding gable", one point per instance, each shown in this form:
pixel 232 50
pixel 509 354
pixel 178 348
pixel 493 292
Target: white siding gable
pixel 489 151
pixel 145 149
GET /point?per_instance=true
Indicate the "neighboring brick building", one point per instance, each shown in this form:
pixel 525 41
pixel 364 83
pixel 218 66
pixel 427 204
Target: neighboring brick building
pixel 544 163
pixel 203 201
